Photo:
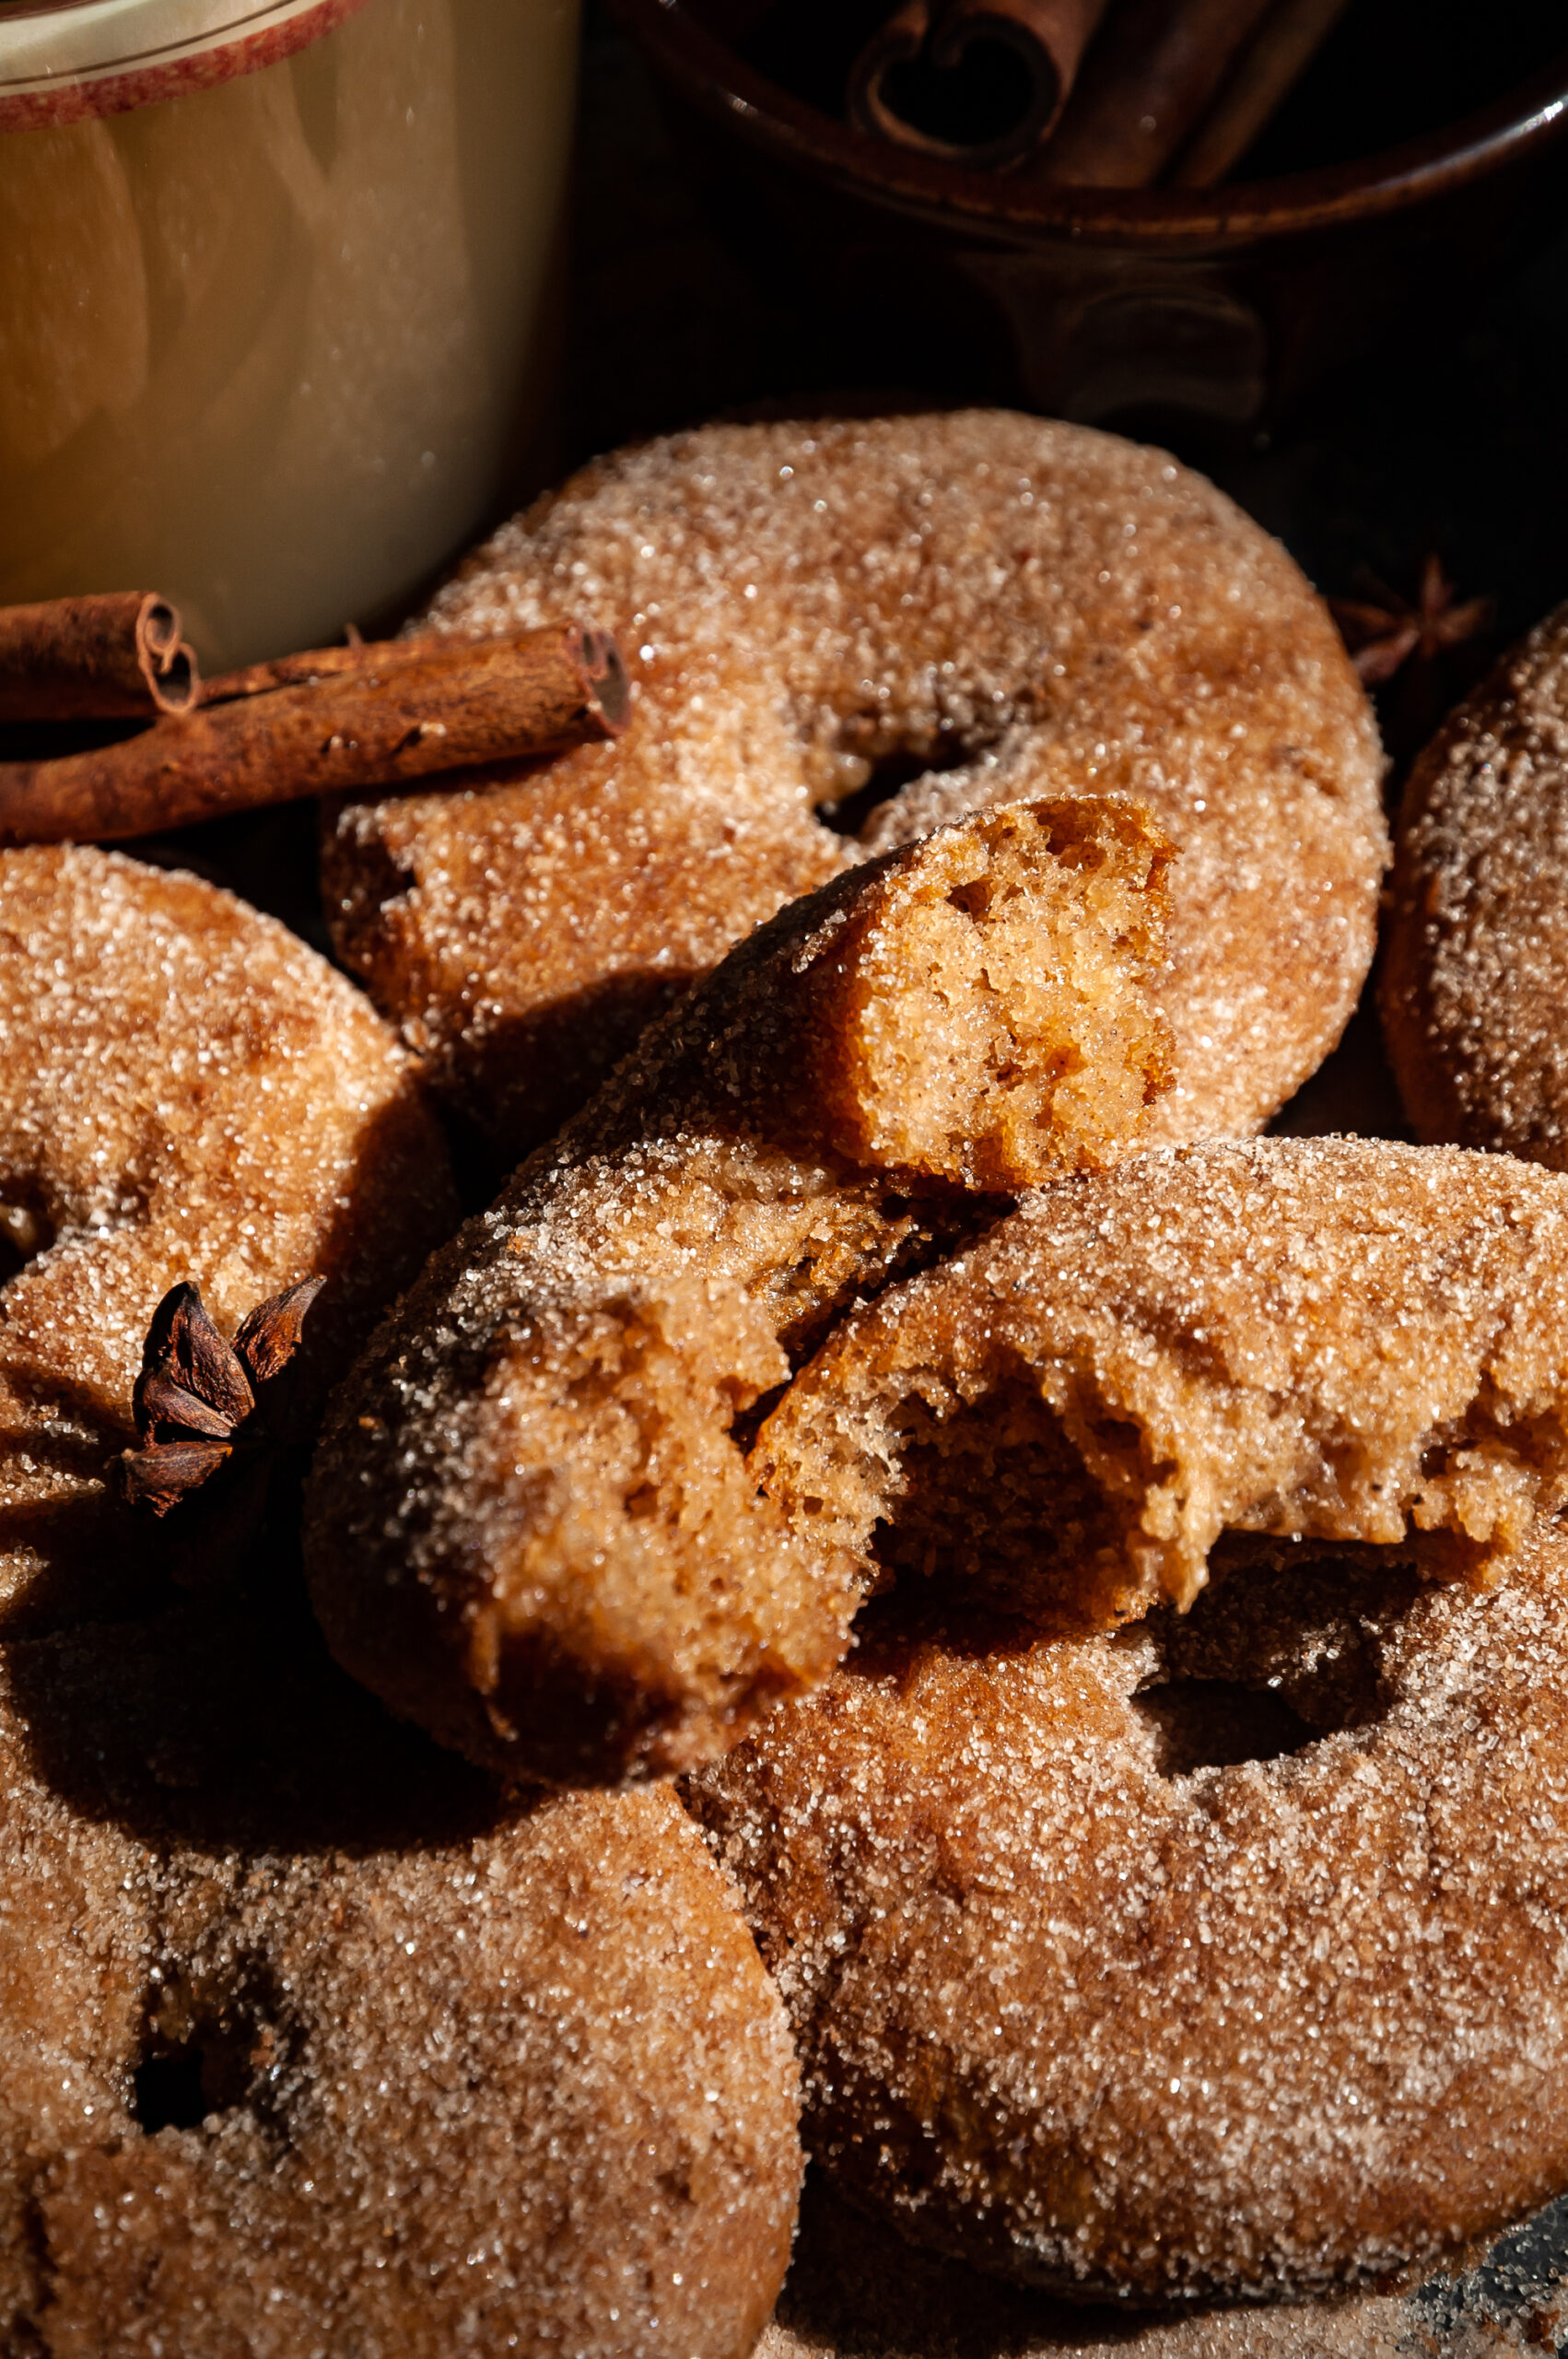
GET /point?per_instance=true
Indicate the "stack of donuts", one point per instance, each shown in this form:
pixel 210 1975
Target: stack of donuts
pixel 912 1591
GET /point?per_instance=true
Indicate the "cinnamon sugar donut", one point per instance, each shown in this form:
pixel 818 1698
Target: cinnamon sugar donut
pixel 1339 1339
pixel 186 1091
pixel 309 2047
pixel 528 1526
pixel 1215 1956
pixel 1012 607
pixel 1475 973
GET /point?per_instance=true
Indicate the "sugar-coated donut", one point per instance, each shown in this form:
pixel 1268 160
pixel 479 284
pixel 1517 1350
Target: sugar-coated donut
pixel 308 2048
pixel 1475 978
pixel 186 1091
pixel 1014 607
pixel 1341 1340
pixel 305 2046
pixel 1215 1956
pixel 528 1525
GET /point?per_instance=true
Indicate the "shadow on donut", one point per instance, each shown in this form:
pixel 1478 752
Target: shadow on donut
pixel 854 2285
pixel 371 1231
pixel 223 1721
pixel 1284 1647
pixel 62 1537
pixel 530 1073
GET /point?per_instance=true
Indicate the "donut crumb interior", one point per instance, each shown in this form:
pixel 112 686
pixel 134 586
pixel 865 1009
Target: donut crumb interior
pixel 1258 1340
pixel 996 1501
pixel 996 1024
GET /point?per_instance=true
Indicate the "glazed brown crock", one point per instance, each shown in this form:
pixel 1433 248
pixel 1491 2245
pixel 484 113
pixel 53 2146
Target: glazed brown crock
pixel 1233 302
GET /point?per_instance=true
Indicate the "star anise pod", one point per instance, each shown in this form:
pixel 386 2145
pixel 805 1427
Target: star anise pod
pixel 1384 630
pixel 202 1404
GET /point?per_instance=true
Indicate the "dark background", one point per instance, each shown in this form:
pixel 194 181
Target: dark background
pixel 1449 441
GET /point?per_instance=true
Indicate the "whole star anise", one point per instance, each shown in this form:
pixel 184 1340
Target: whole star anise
pixel 1384 630
pixel 202 1404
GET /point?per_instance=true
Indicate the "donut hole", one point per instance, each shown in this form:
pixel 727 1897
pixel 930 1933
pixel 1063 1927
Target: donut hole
pixel 1287 1645
pixel 1217 1724
pixel 170 2090
pixel 207 2053
pixel 876 779
pixel 25 1229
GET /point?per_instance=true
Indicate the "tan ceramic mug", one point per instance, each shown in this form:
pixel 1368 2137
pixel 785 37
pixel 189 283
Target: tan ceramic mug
pixel 275 296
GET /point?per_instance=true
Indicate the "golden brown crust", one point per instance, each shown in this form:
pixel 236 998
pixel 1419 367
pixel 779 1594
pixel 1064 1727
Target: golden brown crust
pixel 1212 1957
pixel 308 2047
pixel 528 1525
pixel 1475 976
pixel 1339 1339
pixel 1057 611
pixel 186 1091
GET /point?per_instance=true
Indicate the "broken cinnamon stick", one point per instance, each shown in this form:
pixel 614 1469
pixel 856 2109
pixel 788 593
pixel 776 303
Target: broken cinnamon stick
pixel 108 658
pixel 1154 71
pixel 925 39
pixel 1273 61
pixel 401 713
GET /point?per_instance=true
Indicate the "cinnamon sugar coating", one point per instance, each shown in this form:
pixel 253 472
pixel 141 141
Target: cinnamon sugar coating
pixel 186 1091
pixel 529 1526
pixel 308 2048
pixel 1011 606
pixel 1217 1955
pixel 1475 973
pixel 1335 1339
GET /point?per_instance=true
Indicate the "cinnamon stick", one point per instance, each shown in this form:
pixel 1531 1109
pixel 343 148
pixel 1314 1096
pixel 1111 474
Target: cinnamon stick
pixel 1278 54
pixel 1155 69
pixel 111 658
pixel 1047 38
pixel 400 713
pixel 320 663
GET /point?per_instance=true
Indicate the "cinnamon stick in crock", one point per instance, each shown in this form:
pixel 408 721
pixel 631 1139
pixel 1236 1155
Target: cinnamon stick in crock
pixel 1150 77
pixel 1272 62
pixel 108 658
pixel 398 712
pixel 1047 37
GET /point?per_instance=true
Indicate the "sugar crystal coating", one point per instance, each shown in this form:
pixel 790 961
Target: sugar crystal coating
pixel 529 1526
pixel 1021 607
pixel 1477 969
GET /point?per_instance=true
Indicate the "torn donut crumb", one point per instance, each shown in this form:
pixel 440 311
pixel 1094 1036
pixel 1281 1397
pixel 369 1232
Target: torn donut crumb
pixel 1332 1339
